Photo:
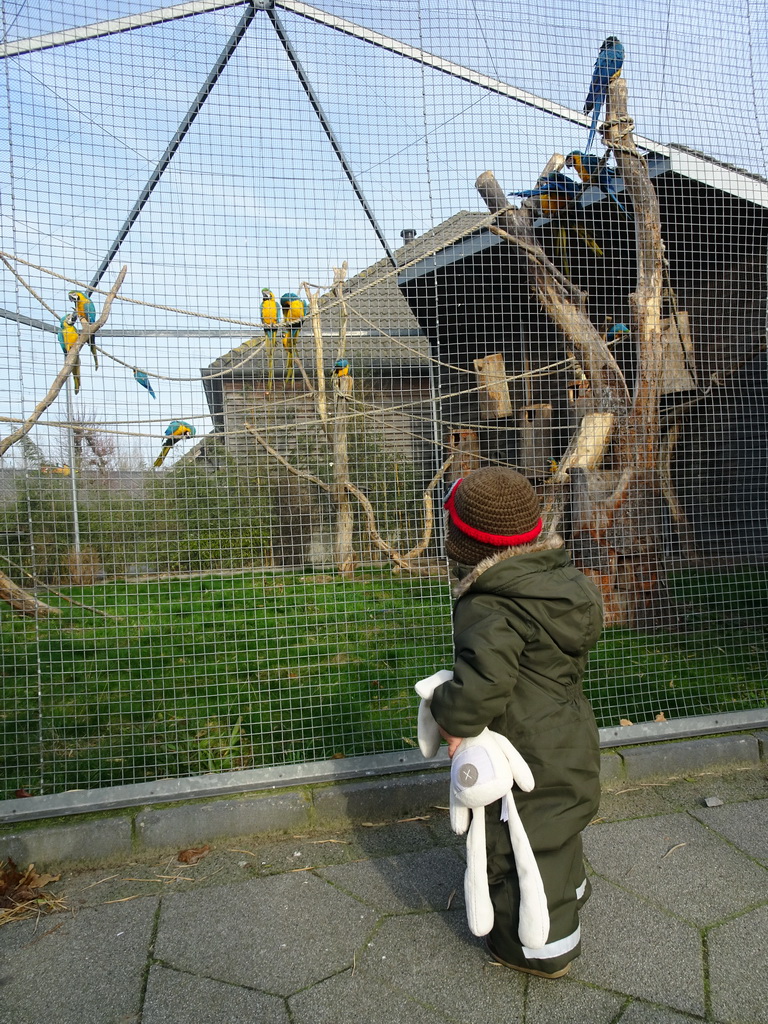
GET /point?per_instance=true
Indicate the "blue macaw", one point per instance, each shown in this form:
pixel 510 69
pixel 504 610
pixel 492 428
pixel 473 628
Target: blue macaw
pixel 176 431
pixel 294 311
pixel 607 67
pixel 68 335
pixel 343 382
pixel 594 171
pixel 142 378
pixel 270 318
pixel 86 313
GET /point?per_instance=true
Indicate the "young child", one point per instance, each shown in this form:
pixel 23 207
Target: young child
pixel 524 620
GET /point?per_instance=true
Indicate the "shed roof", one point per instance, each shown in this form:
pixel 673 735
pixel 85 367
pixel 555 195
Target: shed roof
pixel 381 328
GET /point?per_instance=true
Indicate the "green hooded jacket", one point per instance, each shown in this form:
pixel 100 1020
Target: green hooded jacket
pixel 524 621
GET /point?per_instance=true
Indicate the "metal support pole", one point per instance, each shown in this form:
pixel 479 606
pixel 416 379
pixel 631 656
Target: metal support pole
pixel 178 138
pixel 336 145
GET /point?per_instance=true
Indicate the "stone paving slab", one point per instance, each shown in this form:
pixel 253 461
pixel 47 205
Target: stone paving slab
pixel 84 969
pixel 179 998
pixel 432 880
pixel 351 927
pixel 277 934
pixel 745 827
pixel 738 968
pixel 349 998
pixel 631 947
pixel 568 1002
pixel 743 784
pixel 433 959
pixel 675 862
pixel 643 1013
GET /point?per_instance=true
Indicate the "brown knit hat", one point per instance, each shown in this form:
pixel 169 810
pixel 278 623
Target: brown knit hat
pixel 489 510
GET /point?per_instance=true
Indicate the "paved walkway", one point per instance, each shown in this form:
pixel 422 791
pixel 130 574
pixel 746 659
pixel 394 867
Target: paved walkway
pixel 367 926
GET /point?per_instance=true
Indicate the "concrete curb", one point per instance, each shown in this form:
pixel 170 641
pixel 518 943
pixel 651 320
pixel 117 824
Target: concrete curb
pixel 137 831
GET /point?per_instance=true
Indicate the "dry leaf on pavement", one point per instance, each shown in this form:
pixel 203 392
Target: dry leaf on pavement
pixel 192 856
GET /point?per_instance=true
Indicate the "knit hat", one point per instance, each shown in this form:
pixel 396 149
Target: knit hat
pixel 489 510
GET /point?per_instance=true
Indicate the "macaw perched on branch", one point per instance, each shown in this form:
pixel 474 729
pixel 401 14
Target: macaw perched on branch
pixel 555 192
pixel 86 313
pixel 270 318
pixel 142 378
pixel 68 335
pixel 616 332
pixel 176 431
pixel 343 382
pixel 294 311
pixel 607 67
pixel 594 171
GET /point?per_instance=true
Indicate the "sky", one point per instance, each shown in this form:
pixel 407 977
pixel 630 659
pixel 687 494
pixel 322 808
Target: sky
pixel 255 196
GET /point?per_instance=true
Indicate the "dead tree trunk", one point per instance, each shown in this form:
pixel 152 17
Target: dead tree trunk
pixel 565 304
pixel 617 508
pixel 22 601
pixel 624 527
pixel 336 433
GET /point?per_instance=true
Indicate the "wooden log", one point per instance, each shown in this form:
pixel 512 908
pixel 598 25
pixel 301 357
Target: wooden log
pixel 640 439
pixel 465 446
pixel 678 363
pixel 22 601
pixel 493 396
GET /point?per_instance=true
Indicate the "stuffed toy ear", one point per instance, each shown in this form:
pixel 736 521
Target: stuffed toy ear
pixel 427 730
pixel 426 687
pixel 477 896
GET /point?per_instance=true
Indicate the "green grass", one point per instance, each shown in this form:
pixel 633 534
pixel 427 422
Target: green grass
pixel 225 672
pixel 216 673
pixel 715 661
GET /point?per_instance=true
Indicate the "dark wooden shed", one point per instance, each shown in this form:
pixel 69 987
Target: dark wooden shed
pixel 473 300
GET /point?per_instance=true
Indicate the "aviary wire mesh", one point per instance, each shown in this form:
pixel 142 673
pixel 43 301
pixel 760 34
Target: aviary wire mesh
pixel 221 547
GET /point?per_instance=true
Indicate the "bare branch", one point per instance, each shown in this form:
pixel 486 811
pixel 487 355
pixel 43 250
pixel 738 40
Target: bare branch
pixel 283 461
pixel 85 335
pixel 22 601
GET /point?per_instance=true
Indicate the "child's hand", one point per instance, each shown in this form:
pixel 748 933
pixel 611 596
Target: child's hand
pixel 452 741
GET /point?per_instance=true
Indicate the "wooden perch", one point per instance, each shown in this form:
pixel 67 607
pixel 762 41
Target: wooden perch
pixel 564 303
pixel 86 333
pixel 403 561
pixel 493 395
pixel 641 437
pixel 617 514
pixel 22 601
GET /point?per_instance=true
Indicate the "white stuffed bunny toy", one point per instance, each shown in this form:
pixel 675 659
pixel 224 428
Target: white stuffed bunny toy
pixel 484 769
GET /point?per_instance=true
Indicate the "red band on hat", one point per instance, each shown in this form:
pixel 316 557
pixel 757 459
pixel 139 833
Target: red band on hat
pixel 498 540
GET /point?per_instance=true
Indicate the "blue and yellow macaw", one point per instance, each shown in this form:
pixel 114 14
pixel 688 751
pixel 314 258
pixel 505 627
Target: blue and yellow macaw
pixel 616 332
pixel 555 192
pixel 607 67
pixel 294 311
pixel 270 318
pixel 142 378
pixel 594 171
pixel 176 431
pixel 343 382
pixel 68 335
pixel 86 314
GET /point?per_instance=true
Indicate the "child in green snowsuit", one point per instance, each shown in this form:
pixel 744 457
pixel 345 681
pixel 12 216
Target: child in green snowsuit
pixel 524 621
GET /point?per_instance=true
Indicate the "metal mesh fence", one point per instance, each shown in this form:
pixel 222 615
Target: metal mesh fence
pixel 366 252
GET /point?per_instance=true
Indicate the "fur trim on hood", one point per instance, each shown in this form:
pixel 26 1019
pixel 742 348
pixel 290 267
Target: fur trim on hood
pixel 551 542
